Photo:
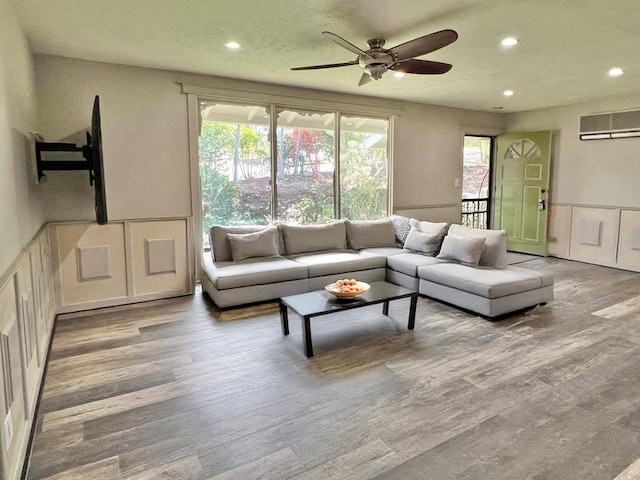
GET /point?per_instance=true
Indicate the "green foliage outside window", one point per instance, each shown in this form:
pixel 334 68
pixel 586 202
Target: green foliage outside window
pixel 236 184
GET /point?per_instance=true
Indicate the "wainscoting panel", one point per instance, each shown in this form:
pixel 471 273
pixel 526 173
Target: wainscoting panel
pixel 629 245
pixel 559 233
pixel 594 234
pixel 12 406
pixel 159 257
pixel 92 262
pixel 31 362
pixel 47 300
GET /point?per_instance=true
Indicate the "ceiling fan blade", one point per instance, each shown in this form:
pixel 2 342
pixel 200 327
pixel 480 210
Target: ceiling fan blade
pixel 423 67
pixel 345 44
pixel 421 45
pixel 364 79
pixel 328 65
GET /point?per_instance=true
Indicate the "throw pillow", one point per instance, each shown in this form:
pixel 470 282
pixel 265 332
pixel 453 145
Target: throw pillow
pixel 464 250
pixel 314 238
pixel 258 244
pixel 495 246
pixel 369 234
pixel 401 227
pixel 422 242
pixel 429 227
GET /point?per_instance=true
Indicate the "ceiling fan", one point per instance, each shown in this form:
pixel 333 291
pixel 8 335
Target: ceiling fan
pixel 400 58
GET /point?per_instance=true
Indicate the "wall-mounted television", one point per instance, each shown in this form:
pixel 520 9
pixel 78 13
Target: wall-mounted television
pixel 92 154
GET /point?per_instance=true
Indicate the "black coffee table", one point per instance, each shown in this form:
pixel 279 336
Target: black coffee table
pixel 321 302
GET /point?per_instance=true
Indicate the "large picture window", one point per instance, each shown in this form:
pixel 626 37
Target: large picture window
pixel 321 165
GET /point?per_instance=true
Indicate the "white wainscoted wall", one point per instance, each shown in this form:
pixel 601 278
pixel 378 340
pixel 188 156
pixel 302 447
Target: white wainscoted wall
pixel 122 262
pixel 27 313
pixel 606 236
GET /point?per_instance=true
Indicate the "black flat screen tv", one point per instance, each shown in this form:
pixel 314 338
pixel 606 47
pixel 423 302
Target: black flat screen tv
pixel 94 144
pixel 92 153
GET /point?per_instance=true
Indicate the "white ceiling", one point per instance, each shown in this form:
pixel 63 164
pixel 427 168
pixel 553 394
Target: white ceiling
pixel 566 46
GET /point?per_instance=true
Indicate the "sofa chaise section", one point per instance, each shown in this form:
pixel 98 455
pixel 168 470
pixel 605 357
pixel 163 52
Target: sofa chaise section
pixel 488 291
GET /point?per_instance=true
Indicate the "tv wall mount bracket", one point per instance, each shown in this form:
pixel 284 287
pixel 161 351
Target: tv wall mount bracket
pixel 67 165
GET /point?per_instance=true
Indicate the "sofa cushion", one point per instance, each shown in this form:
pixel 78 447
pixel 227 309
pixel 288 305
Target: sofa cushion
pixel 314 238
pixel 367 234
pixel 494 253
pixel 423 242
pixel 401 227
pixel 330 263
pixel 257 244
pixel 382 251
pixel 464 250
pixel 408 262
pixel 220 248
pixel 253 271
pixel 485 281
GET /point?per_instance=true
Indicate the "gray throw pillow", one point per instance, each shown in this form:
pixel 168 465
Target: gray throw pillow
pixel 369 234
pixel 314 238
pixel 494 253
pixel 258 244
pixel 464 250
pixel 401 227
pixel 422 242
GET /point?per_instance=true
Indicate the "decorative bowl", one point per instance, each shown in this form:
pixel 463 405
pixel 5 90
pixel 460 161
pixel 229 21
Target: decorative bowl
pixel 334 290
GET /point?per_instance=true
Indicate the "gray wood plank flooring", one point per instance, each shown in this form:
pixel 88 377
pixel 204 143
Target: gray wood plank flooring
pixel 176 389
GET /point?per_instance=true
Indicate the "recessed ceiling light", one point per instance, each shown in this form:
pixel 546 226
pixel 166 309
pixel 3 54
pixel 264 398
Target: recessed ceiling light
pixel 615 72
pixel 508 93
pixel 497 108
pixel 232 45
pixel 398 74
pixel 509 41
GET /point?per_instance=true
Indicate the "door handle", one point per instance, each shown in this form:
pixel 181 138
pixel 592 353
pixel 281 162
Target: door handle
pixel 542 205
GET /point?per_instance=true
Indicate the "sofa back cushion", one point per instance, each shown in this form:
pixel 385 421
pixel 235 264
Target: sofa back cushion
pixel 369 234
pixel 220 248
pixel 494 253
pixel 257 244
pixel 314 238
pixel 464 250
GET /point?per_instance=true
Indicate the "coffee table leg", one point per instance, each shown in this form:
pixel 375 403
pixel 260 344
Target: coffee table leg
pixel 412 311
pixel 306 332
pixel 284 319
pixel 385 308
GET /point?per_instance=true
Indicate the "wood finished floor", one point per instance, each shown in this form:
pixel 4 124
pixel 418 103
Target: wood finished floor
pixel 165 390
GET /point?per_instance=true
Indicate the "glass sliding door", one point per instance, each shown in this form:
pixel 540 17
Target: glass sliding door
pixel 364 168
pixel 305 166
pixel 235 164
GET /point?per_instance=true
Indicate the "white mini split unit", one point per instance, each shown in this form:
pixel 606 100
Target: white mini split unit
pixel 605 126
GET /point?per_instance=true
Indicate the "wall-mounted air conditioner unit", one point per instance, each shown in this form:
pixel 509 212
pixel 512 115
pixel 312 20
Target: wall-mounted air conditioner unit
pixel 604 126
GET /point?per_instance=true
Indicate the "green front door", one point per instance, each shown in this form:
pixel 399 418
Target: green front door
pixel 521 190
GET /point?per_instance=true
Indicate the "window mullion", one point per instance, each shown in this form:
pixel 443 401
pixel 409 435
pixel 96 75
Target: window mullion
pixel 336 168
pixel 273 139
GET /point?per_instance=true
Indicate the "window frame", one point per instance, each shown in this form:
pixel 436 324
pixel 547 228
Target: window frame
pixel 275 102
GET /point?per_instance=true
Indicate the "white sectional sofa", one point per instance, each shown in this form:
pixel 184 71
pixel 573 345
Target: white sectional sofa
pixel 460 266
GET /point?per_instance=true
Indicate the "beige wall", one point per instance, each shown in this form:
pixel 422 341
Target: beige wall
pixel 144 133
pixel 602 172
pixel 20 213
pixel 146 149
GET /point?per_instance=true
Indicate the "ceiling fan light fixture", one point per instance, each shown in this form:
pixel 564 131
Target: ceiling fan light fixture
pixel 232 45
pixel 615 72
pixel 398 74
pixel 509 42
